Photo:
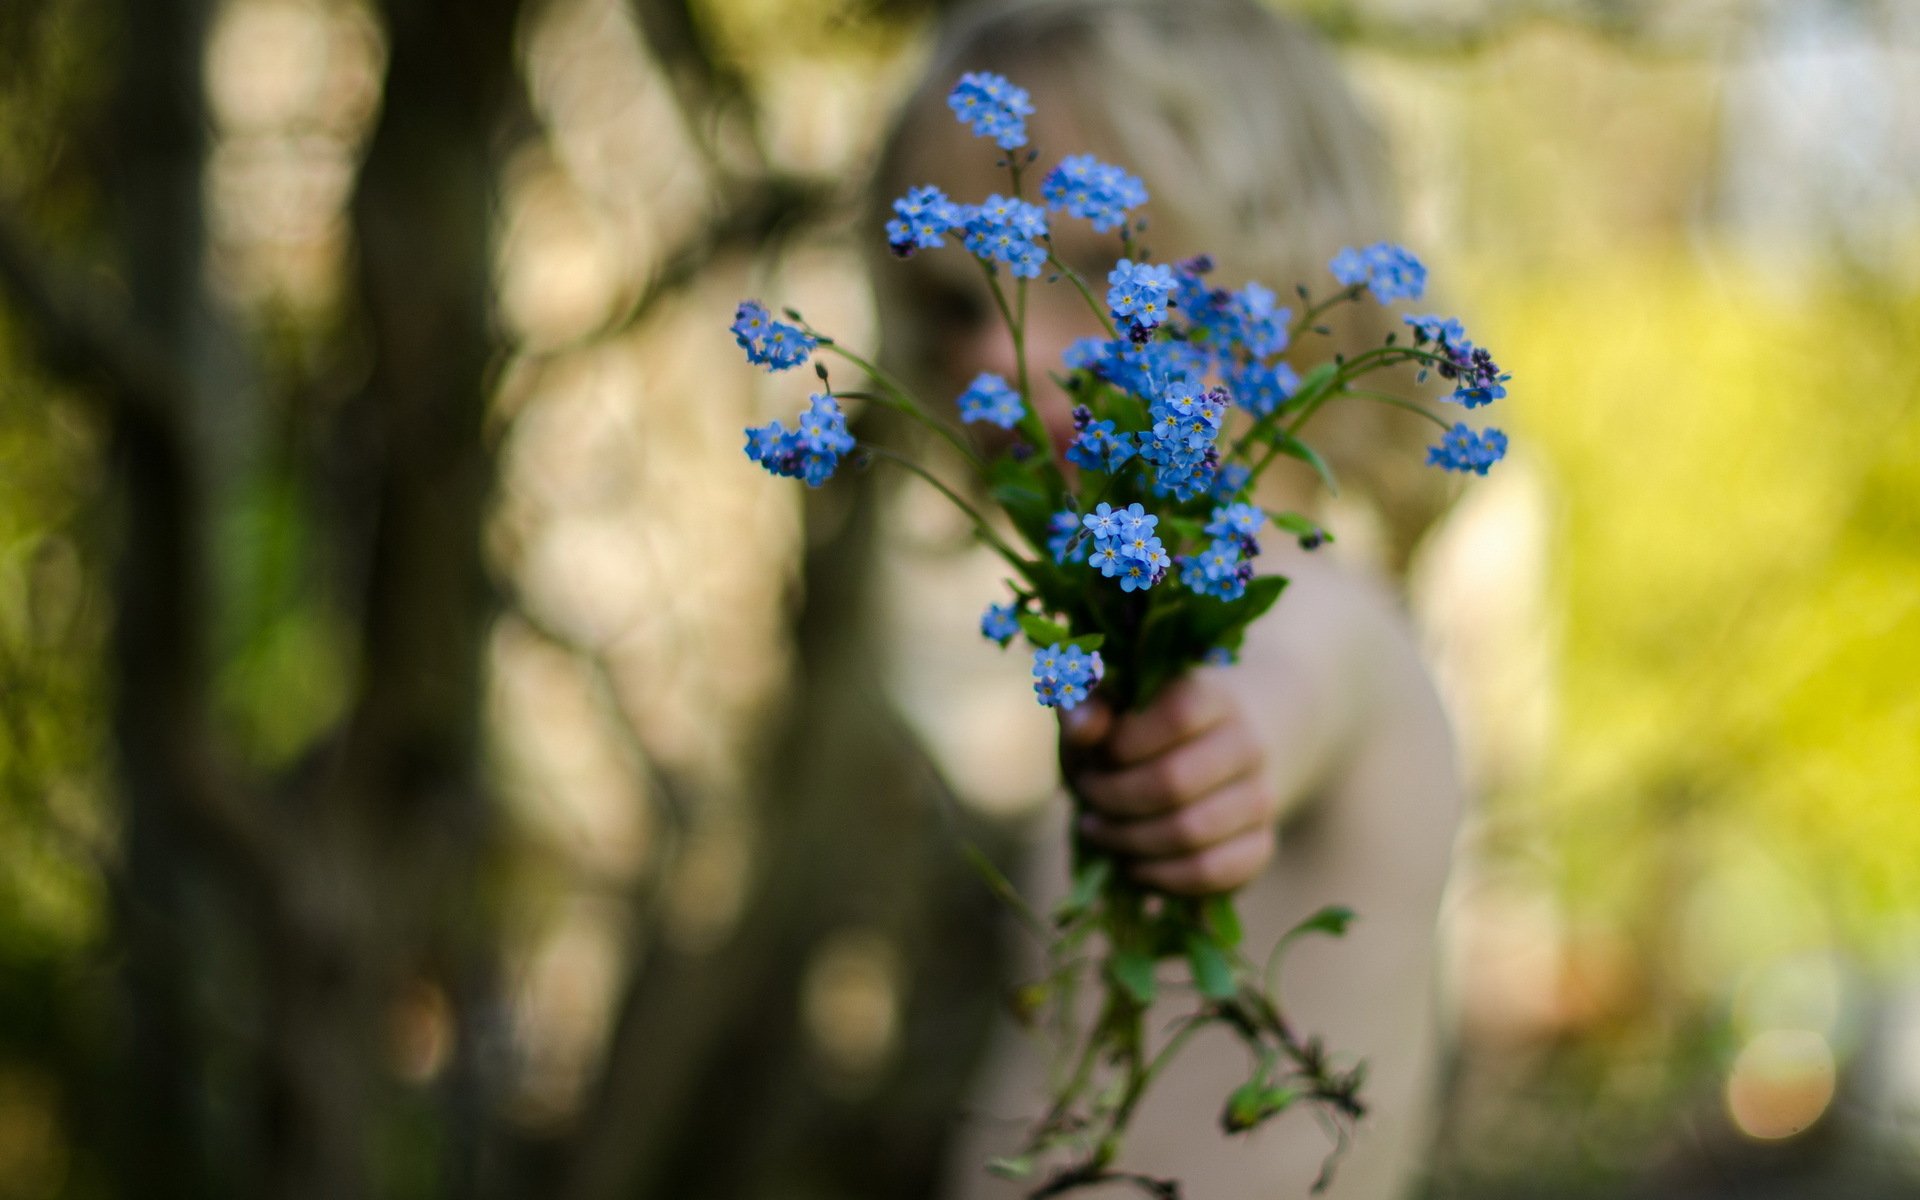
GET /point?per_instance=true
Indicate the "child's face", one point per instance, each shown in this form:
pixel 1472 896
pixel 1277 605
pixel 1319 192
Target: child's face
pixel 965 330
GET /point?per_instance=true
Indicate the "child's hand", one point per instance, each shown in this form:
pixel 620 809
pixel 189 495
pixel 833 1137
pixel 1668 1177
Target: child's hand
pixel 1183 787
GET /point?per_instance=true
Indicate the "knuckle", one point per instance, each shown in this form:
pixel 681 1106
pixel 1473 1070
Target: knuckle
pixel 1189 829
pixel 1169 778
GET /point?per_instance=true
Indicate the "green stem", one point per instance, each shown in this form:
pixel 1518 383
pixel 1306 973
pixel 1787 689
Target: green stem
pixel 1352 368
pixel 1072 276
pixel 980 527
pixel 1030 424
pixel 1350 292
pixel 901 400
pixel 1400 402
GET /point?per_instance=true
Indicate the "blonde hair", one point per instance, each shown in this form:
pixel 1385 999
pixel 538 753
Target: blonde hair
pixel 1252 147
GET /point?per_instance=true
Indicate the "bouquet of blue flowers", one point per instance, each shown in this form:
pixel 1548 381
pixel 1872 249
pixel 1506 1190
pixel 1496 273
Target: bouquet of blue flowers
pixel 1132 567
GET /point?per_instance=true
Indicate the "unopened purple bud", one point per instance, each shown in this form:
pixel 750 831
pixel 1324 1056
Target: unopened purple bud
pixel 1199 264
pixel 1139 335
pixel 1021 451
pixel 1082 416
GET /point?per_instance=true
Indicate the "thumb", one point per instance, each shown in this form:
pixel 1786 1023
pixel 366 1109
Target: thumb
pixel 1086 723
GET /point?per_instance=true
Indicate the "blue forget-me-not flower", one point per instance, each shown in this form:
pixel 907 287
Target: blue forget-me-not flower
pixel 920 218
pixel 992 107
pixel 773 344
pixel 1390 272
pixel 988 398
pixel 1083 186
pixel 811 450
pixel 1000 622
pixel 1460 449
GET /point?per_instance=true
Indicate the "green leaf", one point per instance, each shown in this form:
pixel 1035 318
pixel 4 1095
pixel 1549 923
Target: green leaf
pixel 1133 971
pixel 1042 632
pixel 1294 523
pixel 1089 641
pixel 1243 1107
pixel 1293 447
pixel 1275 1099
pixel 1331 920
pixel 1254 1102
pixel 1011 1168
pixel 1088 878
pixel 1002 887
pixel 1223 919
pixel 1212 974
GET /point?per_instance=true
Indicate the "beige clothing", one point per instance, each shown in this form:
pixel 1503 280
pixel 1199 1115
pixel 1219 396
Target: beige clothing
pixel 1379 840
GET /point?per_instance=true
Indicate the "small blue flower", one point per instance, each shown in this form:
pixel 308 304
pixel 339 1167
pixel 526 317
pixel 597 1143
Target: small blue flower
pixel 1104 522
pixel 1000 622
pixel 1006 229
pixel 1219 571
pixel 1437 329
pixel 989 399
pixel 1229 481
pixel 1391 272
pixel 773 344
pixel 1083 186
pixel 1099 448
pixel 1259 388
pixel 992 107
pixel 1139 295
pixel 1065 540
pixel 1477 378
pixel 1461 450
pixel 1135 520
pixel 1254 324
pixel 810 451
pixel 920 218
pixel 1235 520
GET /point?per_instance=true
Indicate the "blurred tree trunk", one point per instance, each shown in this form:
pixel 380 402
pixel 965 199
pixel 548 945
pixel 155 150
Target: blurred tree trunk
pixel 160 714
pixel 362 874
pixel 401 818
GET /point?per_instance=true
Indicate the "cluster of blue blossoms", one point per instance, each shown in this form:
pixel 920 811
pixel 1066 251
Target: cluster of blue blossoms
pixel 1140 297
pixel 1097 447
pixel 992 108
pixel 989 398
pixel 1235 336
pixel 1125 546
pixel 1461 449
pixel 999 229
pixel 1005 229
pixel 1477 380
pixel 1083 186
pixel 1064 675
pixel 811 450
pixel 1144 370
pixel 1008 230
pixel 1225 568
pixel 770 343
pixel 920 218
pixel 1244 329
pixel 1186 423
pixel 1390 272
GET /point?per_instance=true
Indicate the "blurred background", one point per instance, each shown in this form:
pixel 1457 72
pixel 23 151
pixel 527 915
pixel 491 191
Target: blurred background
pixel 417 718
